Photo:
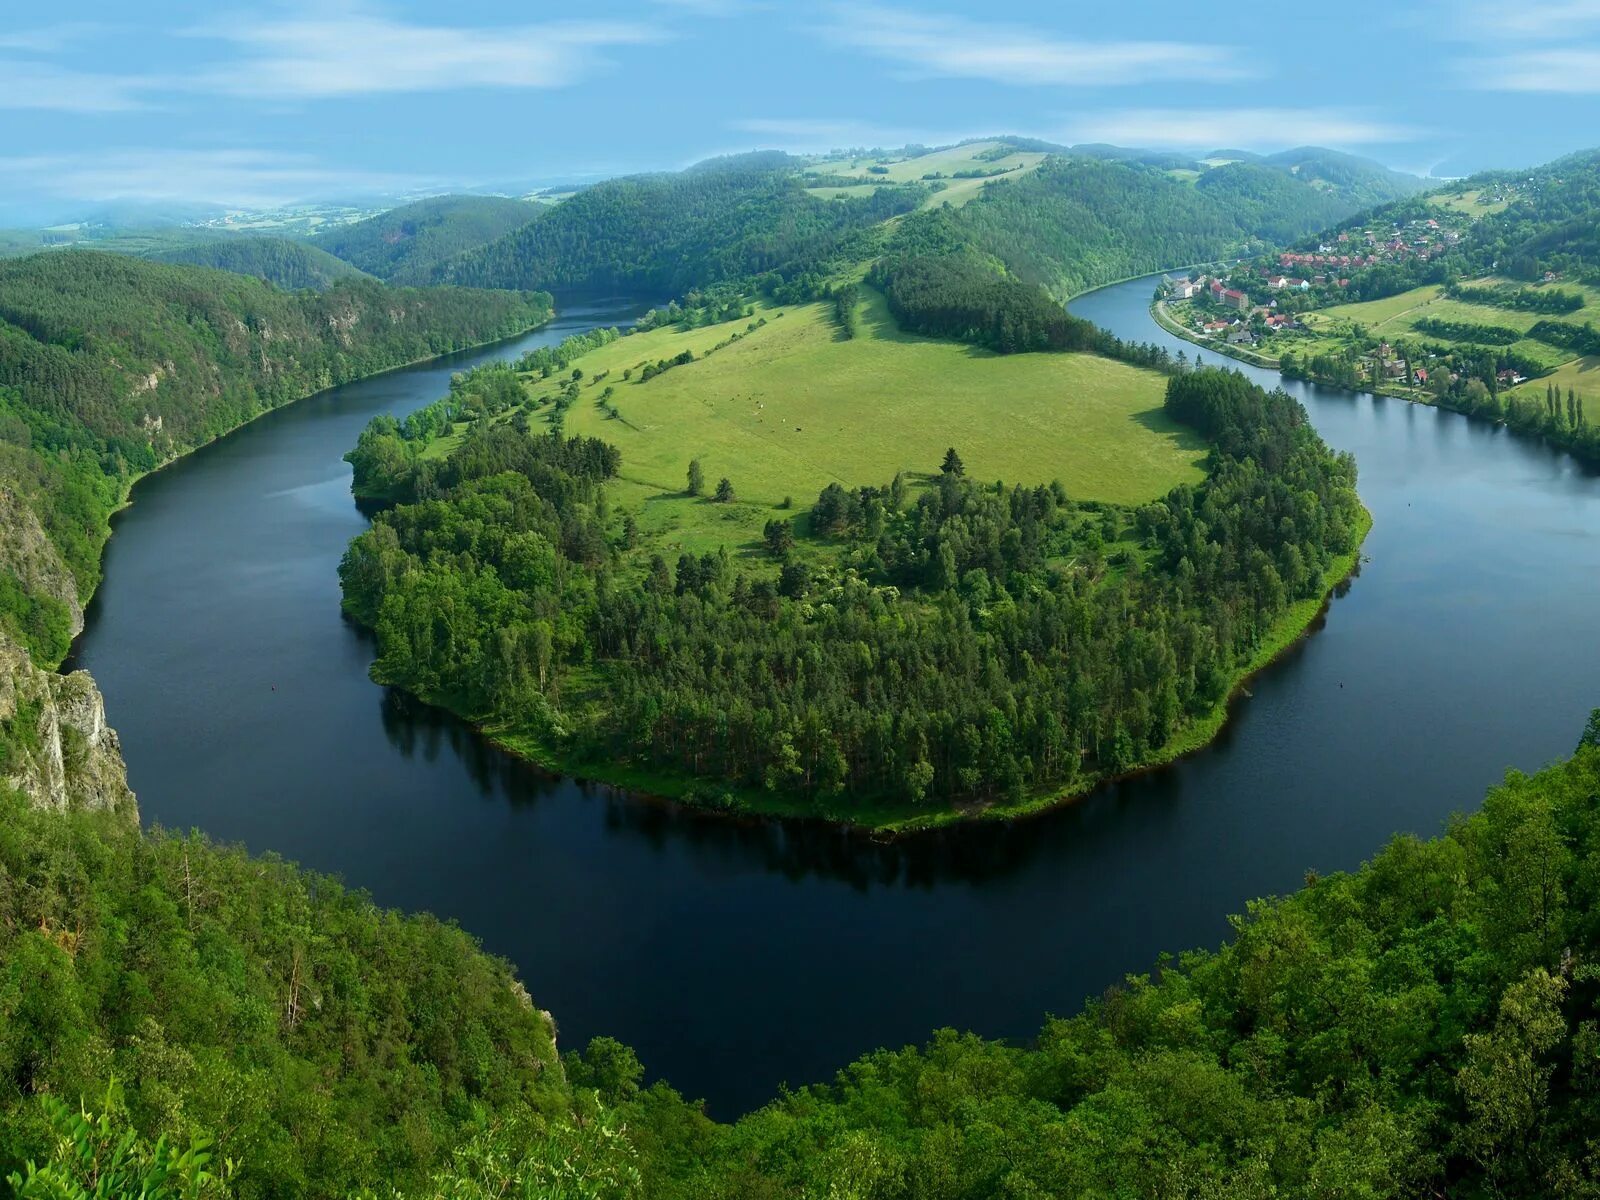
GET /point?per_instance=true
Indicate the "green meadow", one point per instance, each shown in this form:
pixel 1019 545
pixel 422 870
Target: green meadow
pixel 792 407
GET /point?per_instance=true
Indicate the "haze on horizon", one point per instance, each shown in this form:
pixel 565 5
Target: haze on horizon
pixel 259 105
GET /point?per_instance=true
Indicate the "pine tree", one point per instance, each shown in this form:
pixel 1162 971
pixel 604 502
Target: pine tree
pixel 952 463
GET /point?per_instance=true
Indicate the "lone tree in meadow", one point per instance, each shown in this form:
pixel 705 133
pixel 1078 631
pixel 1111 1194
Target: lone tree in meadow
pixel 952 463
pixel 724 490
pixel 697 478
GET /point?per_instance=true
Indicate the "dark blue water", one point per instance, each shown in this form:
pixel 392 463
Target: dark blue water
pixel 737 957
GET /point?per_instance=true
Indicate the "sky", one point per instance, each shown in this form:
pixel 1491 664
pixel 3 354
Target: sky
pixel 261 103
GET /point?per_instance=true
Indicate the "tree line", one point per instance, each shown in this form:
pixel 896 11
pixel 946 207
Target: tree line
pixel 961 644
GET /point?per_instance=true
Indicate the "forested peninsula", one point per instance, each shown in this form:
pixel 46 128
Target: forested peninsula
pixel 959 648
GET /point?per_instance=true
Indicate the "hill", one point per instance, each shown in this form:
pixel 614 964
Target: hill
pixel 411 244
pixel 670 233
pixel 1075 223
pixel 289 264
pixel 111 365
pixel 1356 182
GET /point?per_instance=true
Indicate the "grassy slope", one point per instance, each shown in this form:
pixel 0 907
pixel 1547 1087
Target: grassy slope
pixel 911 170
pixel 1396 316
pixel 791 408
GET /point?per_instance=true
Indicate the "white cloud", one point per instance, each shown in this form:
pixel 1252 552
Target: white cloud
pixel 949 47
pixel 47 38
pixel 1207 129
pixel 355 52
pixel 1568 71
pixel 233 178
pixel 41 85
pixel 829 133
pixel 1494 21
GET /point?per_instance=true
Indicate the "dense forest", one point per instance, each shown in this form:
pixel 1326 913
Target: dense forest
pixel 411 244
pixel 111 365
pixel 289 264
pixel 1425 1026
pixel 969 642
pixel 671 233
pixel 1075 223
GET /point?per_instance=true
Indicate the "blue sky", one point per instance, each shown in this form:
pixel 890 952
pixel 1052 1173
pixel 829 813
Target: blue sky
pixel 257 103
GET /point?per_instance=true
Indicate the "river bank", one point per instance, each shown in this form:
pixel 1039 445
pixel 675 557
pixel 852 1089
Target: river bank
pixel 106 526
pixel 737 954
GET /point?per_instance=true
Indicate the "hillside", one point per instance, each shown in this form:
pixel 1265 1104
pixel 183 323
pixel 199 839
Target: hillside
pixel 111 365
pixel 670 233
pixel 1424 1025
pixel 1074 223
pixel 289 264
pixel 411 244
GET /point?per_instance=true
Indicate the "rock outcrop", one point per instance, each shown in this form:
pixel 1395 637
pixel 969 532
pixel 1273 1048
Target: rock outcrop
pixel 55 745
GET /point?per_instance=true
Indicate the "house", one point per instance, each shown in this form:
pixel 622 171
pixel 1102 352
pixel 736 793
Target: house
pixel 1236 299
pixel 1278 282
pixel 1241 337
pixel 1421 376
pixel 1215 326
pixel 1183 289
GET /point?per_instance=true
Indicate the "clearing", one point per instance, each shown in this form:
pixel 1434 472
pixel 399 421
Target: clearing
pixel 793 406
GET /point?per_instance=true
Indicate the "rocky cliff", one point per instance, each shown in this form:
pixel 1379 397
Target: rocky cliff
pixel 55 745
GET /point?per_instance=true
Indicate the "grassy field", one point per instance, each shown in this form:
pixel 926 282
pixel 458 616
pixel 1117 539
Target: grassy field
pixel 1581 374
pixel 1468 202
pixel 793 407
pixel 1397 316
pixel 945 163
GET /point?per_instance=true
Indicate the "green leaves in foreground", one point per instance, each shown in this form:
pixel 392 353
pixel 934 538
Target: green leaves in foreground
pixel 100 1155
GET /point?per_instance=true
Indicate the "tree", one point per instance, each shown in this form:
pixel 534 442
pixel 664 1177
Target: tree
pixel 952 463
pixel 697 478
pixel 1591 732
pixel 724 490
pixel 779 537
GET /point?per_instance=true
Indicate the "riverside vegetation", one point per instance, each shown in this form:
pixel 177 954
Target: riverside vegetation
pixel 1483 308
pixel 1426 1025
pixel 111 366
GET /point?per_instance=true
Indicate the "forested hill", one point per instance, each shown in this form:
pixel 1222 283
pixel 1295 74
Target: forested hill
pixel 289 264
pixel 1424 1026
pixel 110 365
pixel 670 233
pixel 410 244
pixel 1075 223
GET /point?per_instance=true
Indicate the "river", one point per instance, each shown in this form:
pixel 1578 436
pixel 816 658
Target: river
pixel 736 957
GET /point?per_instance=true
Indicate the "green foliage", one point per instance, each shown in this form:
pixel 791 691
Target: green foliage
pixel 1468 331
pixel 1078 222
pixel 111 365
pixel 1425 1026
pixel 670 233
pixel 411 244
pixel 289 264
pixel 1006 617
pixel 250 1010
pixel 97 1156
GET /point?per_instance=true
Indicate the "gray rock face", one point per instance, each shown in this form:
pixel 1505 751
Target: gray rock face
pixel 55 745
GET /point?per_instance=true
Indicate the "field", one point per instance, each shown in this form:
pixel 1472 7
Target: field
pixel 792 407
pixel 1469 202
pixel 1396 316
pixel 945 163
pixel 1581 374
